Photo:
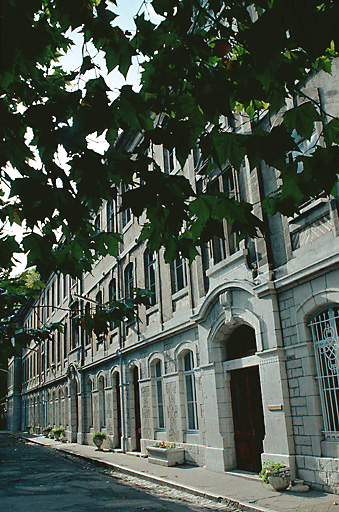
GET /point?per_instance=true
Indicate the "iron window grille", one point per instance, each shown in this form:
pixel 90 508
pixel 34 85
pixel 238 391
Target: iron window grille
pixel 325 333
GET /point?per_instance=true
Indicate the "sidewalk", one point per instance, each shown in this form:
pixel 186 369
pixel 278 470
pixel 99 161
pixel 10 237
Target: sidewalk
pixel 245 493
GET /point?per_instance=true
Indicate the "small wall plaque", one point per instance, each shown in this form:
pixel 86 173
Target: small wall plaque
pixel 275 407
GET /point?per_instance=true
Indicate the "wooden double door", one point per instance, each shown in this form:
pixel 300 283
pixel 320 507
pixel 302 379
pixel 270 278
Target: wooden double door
pixel 248 418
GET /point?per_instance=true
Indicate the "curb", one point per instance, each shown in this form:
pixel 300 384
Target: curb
pixel 230 502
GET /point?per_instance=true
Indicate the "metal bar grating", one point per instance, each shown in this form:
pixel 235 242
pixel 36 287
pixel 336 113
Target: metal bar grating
pixel 325 333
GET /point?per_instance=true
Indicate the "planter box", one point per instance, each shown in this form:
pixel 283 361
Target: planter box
pixel 166 456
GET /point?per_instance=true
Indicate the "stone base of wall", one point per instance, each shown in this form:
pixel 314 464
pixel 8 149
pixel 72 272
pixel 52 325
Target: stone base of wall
pixel 321 473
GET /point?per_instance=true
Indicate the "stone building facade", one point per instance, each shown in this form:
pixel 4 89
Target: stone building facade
pixel 236 359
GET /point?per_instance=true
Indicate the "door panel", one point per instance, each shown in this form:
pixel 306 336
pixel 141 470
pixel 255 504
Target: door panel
pixel 248 418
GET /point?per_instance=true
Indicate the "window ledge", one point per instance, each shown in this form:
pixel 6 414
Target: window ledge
pixel 180 293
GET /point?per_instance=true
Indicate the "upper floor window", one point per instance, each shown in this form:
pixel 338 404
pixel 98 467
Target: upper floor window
pixel 74 325
pixel 87 315
pixel 97 224
pixel 150 274
pixel 325 334
pixel 58 289
pixel 65 280
pixel 129 281
pixel 112 295
pixel 111 216
pixel 169 160
pixel 178 274
pixel 190 392
pixel 126 214
pixel 312 221
pixel 225 244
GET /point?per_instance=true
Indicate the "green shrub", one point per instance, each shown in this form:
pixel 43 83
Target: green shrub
pixel 99 435
pixel 270 466
pixel 57 432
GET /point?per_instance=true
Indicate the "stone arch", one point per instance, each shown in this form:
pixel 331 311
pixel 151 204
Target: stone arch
pixel 183 348
pixel 307 309
pixel 152 358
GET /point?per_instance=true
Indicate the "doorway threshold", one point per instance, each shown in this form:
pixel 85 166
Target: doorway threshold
pixel 244 474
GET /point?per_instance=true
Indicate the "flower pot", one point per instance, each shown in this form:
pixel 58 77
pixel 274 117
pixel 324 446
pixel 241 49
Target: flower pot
pixel 98 442
pixel 279 479
pixel 166 456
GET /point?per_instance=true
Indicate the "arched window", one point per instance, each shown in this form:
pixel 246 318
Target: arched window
pixel 102 402
pixel 190 392
pixel 89 401
pixel 325 333
pixel 150 273
pixel 159 394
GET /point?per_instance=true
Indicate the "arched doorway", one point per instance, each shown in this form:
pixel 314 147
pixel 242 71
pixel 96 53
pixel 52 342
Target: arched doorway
pixel 135 404
pixel 248 417
pixel 74 410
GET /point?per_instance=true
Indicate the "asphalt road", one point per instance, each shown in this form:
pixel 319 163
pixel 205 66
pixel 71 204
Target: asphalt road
pixel 38 479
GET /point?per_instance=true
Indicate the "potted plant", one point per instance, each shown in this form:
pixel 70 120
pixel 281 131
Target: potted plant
pixel 165 454
pixel 29 428
pixel 98 438
pixel 277 474
pixel 57 432
pixel 47 430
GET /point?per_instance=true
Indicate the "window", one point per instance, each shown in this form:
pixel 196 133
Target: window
pixel 58 290
pixel 102 403
pixel 150 273
pixel 126 214
pixel 74 326
pixel 53 350
pixel 129 281
pixel 325 333
pixel 97 223
pixel 190 392
pixel 159 394
pixel 112 287
pixel 225 245
pixel 169 160
pixel 111 216
pixel 65 285
pixel 89 391
pixel 87 314
pixel 98 300
pixel 65 341
pixel 53 296
pixel 58 346
pixel 178 274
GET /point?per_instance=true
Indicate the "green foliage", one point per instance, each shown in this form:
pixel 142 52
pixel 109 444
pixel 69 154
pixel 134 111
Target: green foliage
pixel 99 435
pixel 57 432
pixel 268 467
pixel 48 429
pixel 241 60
